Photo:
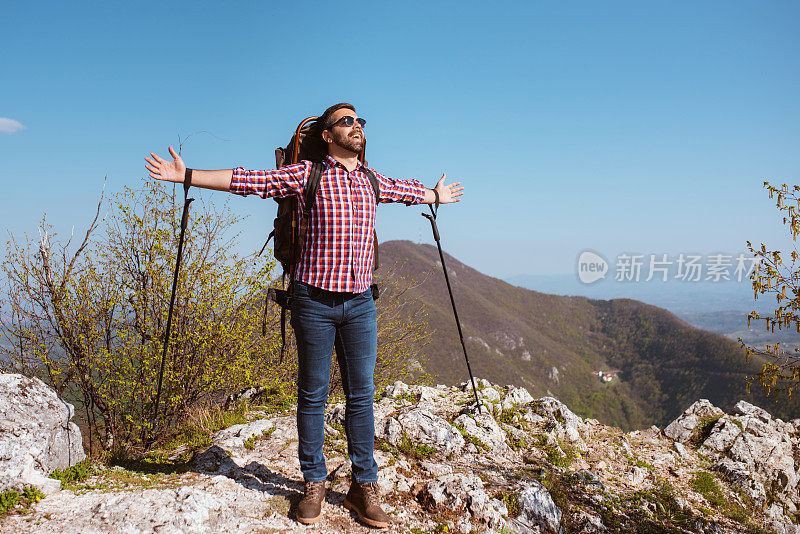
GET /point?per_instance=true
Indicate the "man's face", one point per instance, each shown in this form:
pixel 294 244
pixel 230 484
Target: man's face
pixel 348 137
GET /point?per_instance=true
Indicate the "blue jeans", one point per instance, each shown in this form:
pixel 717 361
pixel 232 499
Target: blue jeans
pixel 321 321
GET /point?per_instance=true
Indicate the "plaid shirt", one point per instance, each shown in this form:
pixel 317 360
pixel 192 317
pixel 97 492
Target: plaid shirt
pixel 338 249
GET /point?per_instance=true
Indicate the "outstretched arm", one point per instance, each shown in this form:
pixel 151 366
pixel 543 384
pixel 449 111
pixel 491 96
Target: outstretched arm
pixel 447 193
pixel 174 171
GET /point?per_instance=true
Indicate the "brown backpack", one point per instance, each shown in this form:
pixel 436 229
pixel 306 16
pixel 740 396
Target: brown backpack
pixel 289 233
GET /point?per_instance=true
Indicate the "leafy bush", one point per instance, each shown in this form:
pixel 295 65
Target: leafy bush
pixel 8 500
pixel 92 322
pixel 76 473
pixel 32 494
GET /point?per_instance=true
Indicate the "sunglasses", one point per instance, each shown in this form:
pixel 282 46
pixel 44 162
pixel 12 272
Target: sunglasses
pixel 349 120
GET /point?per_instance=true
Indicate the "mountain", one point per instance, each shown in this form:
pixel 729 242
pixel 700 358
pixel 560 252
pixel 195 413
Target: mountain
pixel 681 297
pixel 655 364
pixel 517 465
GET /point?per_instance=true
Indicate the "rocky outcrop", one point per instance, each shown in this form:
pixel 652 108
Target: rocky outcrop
pixel 757 454
pixel 36 434
pixel 518 464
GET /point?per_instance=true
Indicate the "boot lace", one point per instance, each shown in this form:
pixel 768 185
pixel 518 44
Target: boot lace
pixel 371 492
pixel 312 489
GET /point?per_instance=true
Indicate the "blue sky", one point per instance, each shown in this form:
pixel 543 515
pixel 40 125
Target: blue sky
pixel 612 126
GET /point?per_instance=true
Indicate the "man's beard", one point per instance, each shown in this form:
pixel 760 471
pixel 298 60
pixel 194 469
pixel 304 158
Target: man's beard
pixel 347 142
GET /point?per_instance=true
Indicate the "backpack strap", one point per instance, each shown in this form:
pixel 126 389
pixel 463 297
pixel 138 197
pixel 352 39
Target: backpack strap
pixel 375 187
pixel 310 196
pixel 312 184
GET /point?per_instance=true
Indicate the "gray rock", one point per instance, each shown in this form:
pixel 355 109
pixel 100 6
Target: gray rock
pixel 568 425
pixel 36 434
pixel 484 427
pixel 745 408
pixel 232 438
pixel 423 426
pixel 515 397
pixel 770 456
pixel 724 433
pixel 682 452
pixel 538 512
pixel 398 389
pixel 486 391
pixel 459 492
pixel 682 428
pixel 589 524
pixel 336 414
pixel 737 473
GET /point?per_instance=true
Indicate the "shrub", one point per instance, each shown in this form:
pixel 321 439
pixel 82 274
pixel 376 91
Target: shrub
pixel 8 500
pixel 76 473
pixel 92 322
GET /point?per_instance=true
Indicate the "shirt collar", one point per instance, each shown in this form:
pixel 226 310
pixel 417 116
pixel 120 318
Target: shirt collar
pixel 331 162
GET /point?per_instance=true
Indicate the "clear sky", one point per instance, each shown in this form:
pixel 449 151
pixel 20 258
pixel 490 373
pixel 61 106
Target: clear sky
pixel 612 126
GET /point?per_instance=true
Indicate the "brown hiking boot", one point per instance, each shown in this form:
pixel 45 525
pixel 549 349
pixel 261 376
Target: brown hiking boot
pixel 309 509
pixel 364 500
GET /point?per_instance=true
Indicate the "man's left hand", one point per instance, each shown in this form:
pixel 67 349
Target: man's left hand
pixel 450 192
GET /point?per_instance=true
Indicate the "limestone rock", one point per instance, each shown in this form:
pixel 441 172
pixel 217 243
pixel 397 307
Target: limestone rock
pixel 745 408
pixel 484 427
pixel 423 426
pixel 724 433
pixel 233 438
pixel 461 492
pixel 589 524
pixel 36 434
pixel 738 474
pixel 682 428
pixel 568 425
pixel 538 512
pixel 515 397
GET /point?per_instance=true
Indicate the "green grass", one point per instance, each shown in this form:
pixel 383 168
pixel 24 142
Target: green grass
pixel 250 443
pixel 77 473
pixel 8 500
pixel 703 430
pixel 510 416
pixel 554 456
pixel 511 501
pixel 517 444
pixel 706 485
pixel 638 462
pixel 469 438
pixel 13 500
pixel 409 447
pixel 278 399
pixel 196 433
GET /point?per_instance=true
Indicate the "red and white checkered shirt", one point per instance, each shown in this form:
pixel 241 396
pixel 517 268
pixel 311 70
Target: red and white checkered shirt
pixel 338 249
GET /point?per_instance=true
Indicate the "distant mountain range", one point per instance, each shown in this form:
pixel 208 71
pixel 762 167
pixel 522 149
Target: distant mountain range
pixel 556 345
pixel 719 307
pixel 679 297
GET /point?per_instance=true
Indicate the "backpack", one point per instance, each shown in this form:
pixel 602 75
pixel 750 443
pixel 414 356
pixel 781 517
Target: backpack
pixel 289 234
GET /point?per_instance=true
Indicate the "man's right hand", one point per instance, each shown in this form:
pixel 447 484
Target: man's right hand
pixel 169 171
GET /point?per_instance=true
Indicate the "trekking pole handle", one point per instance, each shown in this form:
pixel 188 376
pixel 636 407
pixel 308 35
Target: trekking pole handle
pixel 185 217
pixel 432 219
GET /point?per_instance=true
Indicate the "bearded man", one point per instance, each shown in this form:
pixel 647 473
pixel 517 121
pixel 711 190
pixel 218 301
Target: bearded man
pixel 332 304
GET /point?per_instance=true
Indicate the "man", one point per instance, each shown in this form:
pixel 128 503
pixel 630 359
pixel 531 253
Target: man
pixel 332 304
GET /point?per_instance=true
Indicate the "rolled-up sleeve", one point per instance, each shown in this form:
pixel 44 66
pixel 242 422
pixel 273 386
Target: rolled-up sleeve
pixel 284 182
pixel 406 191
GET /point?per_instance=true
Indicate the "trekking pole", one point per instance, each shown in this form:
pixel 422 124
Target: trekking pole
pixel 187 182
pixel 432 218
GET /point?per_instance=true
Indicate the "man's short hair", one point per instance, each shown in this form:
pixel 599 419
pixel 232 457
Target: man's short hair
pixel 325 118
